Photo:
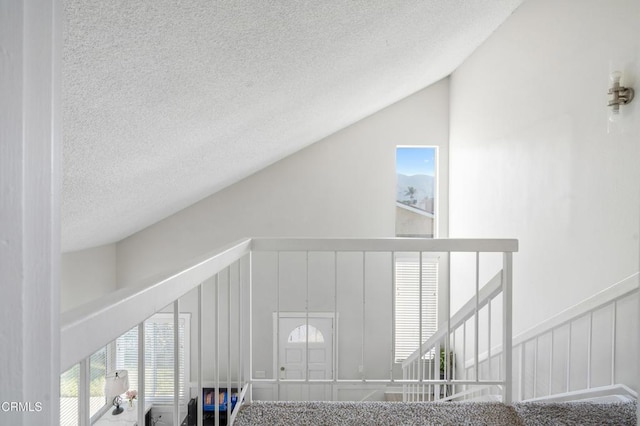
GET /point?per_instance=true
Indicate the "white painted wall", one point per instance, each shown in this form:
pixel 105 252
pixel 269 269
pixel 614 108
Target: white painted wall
pixel 87 275
pixel 342 186
pixel 530 154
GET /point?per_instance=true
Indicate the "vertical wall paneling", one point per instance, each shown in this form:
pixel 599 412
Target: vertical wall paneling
pixel 613 342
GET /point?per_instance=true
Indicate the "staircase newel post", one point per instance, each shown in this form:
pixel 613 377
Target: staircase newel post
pixel 507 326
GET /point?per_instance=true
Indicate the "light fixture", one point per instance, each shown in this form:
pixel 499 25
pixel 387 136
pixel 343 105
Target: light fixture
pixel 621 95
pixel 115 385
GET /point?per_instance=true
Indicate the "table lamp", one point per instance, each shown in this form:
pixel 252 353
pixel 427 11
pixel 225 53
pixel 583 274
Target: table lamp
pixel 115 385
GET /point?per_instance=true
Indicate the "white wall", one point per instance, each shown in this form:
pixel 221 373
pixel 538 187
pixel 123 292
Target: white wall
pixel 530 154
pixel 342 186
pixel 86 275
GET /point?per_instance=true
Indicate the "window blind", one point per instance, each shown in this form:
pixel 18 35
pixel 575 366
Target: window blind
pixel 407 303
pixel 159 365
pixel 97 374
pixel 69 385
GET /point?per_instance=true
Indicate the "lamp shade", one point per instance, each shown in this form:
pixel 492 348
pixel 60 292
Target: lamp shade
pixel 116 383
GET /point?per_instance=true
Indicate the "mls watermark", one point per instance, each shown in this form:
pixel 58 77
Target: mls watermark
pixel 20 407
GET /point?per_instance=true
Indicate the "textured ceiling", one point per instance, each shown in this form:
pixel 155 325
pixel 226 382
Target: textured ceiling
pixel 167 102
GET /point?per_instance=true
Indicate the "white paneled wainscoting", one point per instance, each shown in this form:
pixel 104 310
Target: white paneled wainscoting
pixel 329 320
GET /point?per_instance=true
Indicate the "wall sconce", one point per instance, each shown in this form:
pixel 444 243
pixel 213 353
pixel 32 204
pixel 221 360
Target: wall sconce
pixel 116 384
pixel 621 95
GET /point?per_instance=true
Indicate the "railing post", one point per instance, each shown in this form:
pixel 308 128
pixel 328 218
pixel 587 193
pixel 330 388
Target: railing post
pixel 229 330
pixel 176 362
pixel 420 373
pixel 84 392
pixel 476 321
pixel 551 364
pixel 404 386
pixel 568 378
pixel 200 402
pixel 249 373
pixel 363 372
pixel 507 335
pixel 240 334
pixel 306 321
pixel 334 387
pixel 589 349
pixel 141 366
pixel 276 362
pixel 393 317
pixel 216 350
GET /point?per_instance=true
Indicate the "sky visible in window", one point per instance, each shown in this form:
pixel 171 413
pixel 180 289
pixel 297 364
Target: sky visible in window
pixel 415 161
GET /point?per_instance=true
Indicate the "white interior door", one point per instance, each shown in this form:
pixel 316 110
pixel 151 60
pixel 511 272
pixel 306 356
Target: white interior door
pixel 305 351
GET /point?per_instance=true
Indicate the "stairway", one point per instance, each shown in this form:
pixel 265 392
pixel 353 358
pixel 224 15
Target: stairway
pixel 436 413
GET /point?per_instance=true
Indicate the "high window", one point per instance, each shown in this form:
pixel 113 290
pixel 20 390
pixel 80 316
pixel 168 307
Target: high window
pixel 416 191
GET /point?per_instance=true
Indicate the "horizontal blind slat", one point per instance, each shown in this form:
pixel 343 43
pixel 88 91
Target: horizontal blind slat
pixel 159 358
pixel 407 309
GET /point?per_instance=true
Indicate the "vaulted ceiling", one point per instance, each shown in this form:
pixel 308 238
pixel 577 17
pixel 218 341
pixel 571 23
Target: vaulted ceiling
pixel 166 102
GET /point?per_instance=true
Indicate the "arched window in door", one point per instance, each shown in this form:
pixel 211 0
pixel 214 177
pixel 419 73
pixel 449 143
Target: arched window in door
pixel 300 335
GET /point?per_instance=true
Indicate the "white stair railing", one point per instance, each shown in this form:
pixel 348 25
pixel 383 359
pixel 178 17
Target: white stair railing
pixel 458 375
pixel 588 349
pixel 350 267
pixel 96 324
pixel 227 277
pixel 582 352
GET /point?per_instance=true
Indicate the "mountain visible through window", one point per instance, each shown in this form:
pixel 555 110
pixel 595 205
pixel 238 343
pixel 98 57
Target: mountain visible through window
pixel 416 191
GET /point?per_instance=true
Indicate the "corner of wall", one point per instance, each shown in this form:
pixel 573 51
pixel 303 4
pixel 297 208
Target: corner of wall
pixel 87 275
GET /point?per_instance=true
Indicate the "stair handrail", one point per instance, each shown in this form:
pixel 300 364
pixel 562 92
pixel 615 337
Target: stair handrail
pixel 438 245
pixel 583 309
pixel 487 293
pixel 614 292
pixel 125 308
